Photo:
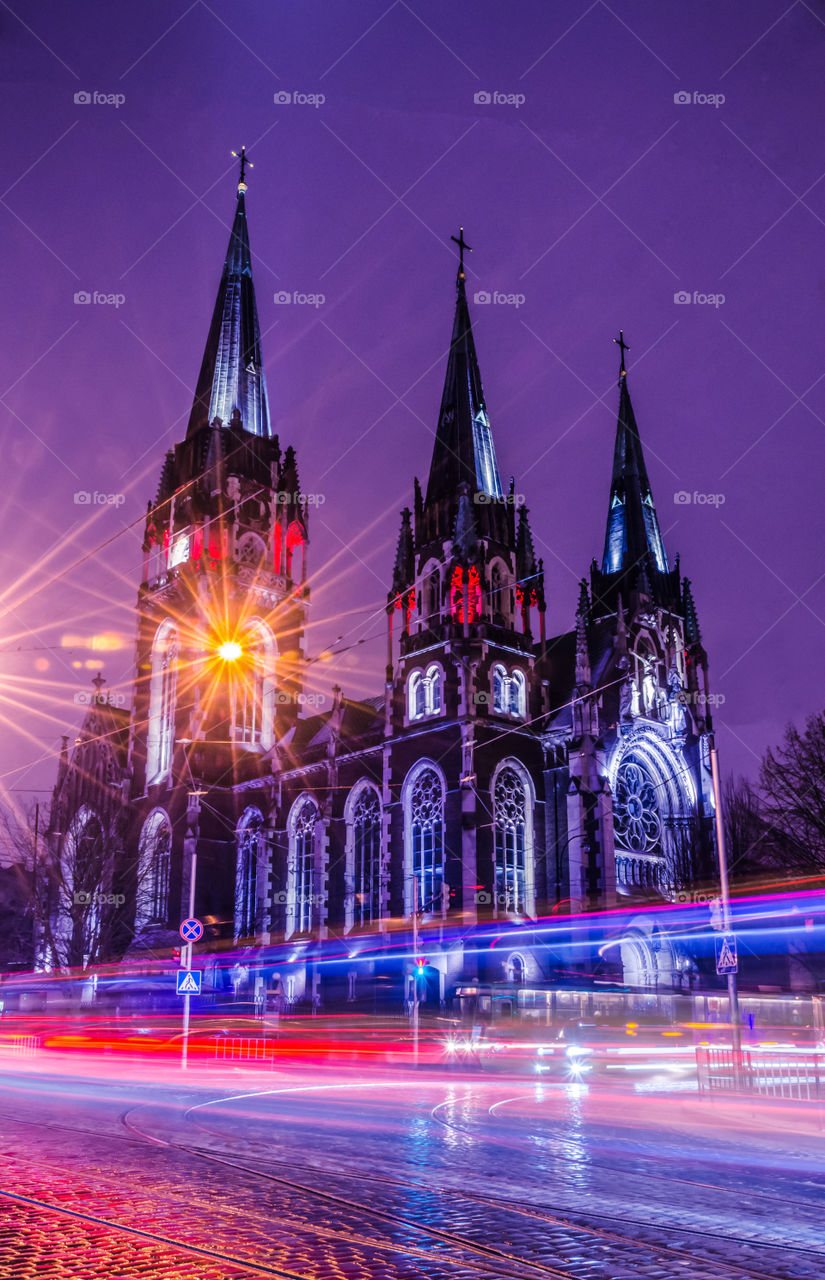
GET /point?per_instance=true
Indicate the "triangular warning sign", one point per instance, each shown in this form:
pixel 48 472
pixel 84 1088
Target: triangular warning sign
pixel 189 985
pixel 726 960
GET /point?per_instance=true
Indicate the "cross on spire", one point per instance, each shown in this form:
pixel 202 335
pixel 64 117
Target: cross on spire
pixel 462 245
pixel 241 156
pixel 623 346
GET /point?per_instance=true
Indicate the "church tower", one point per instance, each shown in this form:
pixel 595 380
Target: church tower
pixel 222 609
pixel 639 636
pixel 464 660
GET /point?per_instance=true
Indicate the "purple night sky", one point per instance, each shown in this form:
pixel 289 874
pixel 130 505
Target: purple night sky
pixel 598 198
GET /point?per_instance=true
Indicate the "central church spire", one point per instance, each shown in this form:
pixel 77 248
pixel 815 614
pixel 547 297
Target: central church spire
pixel 231 383
pixel 634 552
pixel 464 452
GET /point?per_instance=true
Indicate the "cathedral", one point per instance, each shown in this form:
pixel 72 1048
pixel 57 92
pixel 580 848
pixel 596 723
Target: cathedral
pixel 500 779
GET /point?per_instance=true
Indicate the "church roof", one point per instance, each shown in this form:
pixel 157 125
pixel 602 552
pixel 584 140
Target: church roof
pixel 232 376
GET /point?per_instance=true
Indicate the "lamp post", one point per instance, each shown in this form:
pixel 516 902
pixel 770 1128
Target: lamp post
pixel 415 970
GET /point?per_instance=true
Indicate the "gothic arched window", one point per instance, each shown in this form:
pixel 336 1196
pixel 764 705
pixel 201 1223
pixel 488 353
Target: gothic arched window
pixel 636 816
pixel 431 592
pixel 301 868
pixel 513 829
pixel 500 688
pixel 251 551
pixel 424 812
pixel 154 866
pixel 424 693
pixel 465 584
pixel 499 593
pixel 509 692
pixel 249 840
pixel 364 853
pixel 254 687
pixel 162 688
pixel 518 694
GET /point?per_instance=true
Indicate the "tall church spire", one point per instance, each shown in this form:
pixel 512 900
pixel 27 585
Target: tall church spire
pixel 634 559
pixel 464 451
pixel 633 539
pixel 231 380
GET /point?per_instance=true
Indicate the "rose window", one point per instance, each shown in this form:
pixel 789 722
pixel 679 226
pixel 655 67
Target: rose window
pixel 636 810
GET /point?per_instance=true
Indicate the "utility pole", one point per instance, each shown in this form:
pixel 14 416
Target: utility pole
pixel 34 882
pixel 415 970
pixel 733 989
pixel 186 959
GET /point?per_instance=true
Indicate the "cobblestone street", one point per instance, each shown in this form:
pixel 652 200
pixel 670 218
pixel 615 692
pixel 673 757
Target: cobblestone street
pixel 336 1177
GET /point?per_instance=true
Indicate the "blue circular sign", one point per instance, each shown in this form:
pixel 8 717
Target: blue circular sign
pixel 191 930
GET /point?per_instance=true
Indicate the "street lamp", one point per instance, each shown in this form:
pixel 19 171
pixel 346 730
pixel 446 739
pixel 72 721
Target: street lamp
pixel 230 651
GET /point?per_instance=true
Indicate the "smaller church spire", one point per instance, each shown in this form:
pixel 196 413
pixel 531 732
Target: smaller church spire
pixel 525 551
pixel 404 569
pixel 583 607
pixel 693 635
pixel 633 537
pixel 583 675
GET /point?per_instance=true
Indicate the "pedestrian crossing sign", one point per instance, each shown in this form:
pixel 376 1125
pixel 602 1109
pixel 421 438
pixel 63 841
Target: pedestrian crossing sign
pixel 726 958
pixel 189 982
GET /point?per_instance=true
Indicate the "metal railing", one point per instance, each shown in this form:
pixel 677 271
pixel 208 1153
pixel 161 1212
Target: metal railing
pixel 245 1049
pixel 23 1045
pixel 767 1073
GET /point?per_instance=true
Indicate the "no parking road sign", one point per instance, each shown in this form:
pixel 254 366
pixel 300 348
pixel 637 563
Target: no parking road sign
pixel 189 982
pixel 191 930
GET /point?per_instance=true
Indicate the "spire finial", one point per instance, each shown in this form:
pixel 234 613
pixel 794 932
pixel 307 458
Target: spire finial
pixel 242 157
pixel 623 346
pixel 462 245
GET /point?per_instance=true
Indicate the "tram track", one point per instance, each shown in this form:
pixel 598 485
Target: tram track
pixel 486 1261
pixel 213 1255
pixel 598 1227
pixel 538 1214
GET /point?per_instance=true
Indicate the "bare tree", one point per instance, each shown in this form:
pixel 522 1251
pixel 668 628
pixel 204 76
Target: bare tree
pixel 691 856
pixel 752 844
pixel 74 911
pixel 792 783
